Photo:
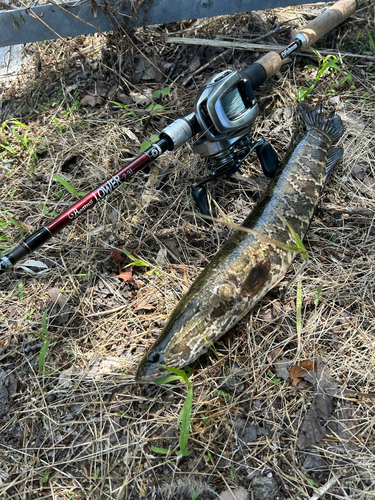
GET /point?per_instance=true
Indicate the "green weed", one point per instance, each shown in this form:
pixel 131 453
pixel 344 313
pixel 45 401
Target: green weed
pixel 140 263
pixel 273 377
pixel 318 294
pixel 4 224
pixel 371 40
pixel 128 110
pixel 45 211
pixel 205 420
pixel 154 107
pixel 300 246
pixel 21 290
pixel 299 312
pixel 29 315
pixel 328 64
pixel 359 42
pixel 224 394
pixel 161 92
pixel 209 458
pixel 147 144
pixel 71 108
pixel 45 477
pixel 312 482
pixel 60 128
pixel 305 256
pixel 82 124
pixel 185 415
pixel 208 343
pixel 279 244
pixel 68 186
pixel 21 144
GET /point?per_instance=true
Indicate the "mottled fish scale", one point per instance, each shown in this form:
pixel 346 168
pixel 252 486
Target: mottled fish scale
pixel 247 267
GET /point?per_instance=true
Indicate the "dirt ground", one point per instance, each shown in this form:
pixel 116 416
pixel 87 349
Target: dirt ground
pixel 75 324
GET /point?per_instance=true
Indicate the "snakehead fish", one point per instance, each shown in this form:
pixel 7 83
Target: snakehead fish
pixel 247 266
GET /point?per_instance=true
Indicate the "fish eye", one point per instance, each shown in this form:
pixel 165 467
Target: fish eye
pixel 154 357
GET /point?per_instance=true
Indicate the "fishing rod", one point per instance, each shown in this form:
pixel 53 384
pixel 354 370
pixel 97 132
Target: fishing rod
pixel 224 112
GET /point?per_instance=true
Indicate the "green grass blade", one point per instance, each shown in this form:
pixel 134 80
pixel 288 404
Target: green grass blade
pixel 135 261
pixel 167 379
pixel 42 354
pixel 301 247
pixel 155 449
pixel 66 185
pixel 299 308
pixel 44 323
pixel 13 221
pixel 185 420
pixel 176 371
pixel 372 44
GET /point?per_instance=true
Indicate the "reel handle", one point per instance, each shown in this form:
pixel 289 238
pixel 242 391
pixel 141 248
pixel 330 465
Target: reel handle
pixel 268 159
pixel 199 194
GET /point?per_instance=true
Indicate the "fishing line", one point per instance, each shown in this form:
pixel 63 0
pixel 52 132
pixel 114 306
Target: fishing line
pixel 233 104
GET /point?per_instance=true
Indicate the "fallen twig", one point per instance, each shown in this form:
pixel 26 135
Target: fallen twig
pixel 257 46
pixel 328 484
pixel 367 212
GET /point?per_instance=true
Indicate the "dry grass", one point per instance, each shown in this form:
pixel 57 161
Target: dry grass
pixel 84 429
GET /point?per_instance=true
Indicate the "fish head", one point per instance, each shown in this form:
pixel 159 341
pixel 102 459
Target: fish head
pixel 176 346
pixel 191 329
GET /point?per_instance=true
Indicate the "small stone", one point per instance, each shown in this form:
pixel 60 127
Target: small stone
pixel 250 434
pixel 314 462
pixel 264 488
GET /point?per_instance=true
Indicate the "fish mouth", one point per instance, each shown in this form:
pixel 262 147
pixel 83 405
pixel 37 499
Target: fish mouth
pixel 145 376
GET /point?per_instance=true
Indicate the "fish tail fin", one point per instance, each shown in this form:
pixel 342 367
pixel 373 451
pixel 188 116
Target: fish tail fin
pixel 313 117
pixel 334 127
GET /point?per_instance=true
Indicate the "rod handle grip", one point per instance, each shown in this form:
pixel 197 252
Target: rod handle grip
pixel 327 21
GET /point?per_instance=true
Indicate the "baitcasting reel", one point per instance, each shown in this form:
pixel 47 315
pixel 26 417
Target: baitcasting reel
pixel 226 109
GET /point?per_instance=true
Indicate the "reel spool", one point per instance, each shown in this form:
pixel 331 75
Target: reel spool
pixel 226 109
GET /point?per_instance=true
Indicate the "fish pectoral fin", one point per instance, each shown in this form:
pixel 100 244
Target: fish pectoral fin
pixel 256 279
pixel 333 156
